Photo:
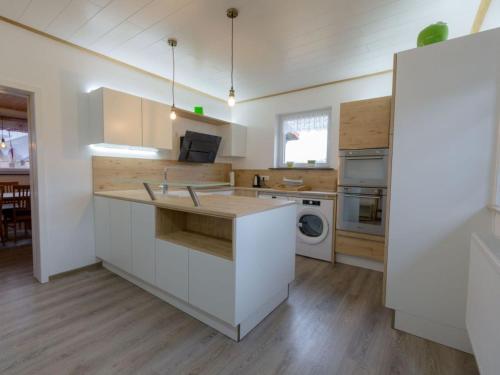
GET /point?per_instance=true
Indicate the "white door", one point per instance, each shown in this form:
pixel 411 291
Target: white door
pixel 101 225
pixel 172 268
pixel 121 244
pixel 143 241
pixel 211 285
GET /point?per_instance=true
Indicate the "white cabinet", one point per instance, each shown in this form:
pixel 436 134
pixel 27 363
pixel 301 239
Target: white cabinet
pixel 234 140
pixel 172 263
pixel 156 125
pixel 119 228
pixel 115 117
pixel 101 225
pixel 211 285
pixel 143 241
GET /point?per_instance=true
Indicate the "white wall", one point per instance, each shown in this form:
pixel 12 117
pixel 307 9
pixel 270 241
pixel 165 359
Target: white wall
pixel 60 76
pixel 261 115
pixel 442 179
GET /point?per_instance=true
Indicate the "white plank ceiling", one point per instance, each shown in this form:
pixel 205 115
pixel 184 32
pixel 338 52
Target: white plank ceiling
pixel 279 44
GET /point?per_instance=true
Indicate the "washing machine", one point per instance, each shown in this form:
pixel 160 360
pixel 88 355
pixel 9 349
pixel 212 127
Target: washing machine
pixel 315 225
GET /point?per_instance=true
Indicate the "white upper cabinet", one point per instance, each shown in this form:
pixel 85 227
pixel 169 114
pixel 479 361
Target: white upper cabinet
pixel 234 140
pixel 116 117
pixel 156 125
pixel 123 119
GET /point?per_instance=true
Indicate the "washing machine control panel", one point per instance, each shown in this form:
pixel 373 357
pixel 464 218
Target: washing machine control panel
pixel 310 202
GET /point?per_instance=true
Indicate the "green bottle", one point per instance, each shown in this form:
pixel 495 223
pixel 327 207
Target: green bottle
pixel 434 33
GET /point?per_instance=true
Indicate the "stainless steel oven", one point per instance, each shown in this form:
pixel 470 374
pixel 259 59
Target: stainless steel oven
pixel 361 209
pixel 363 167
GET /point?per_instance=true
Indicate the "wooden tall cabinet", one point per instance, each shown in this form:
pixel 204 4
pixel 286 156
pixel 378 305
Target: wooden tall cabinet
pixel 365 124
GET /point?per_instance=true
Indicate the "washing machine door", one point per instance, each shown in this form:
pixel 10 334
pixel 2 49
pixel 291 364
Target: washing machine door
pixel 312 226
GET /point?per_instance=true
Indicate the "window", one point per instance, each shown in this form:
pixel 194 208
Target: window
pixel 15 154
pixel 304 139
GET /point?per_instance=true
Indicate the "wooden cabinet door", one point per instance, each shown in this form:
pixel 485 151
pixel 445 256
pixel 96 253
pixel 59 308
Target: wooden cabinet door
pixel 121 118
pixel 156 125
pixel 101 225
pixel 143 241
pixel 172 268
pixel 121 244
pixel 360 245
pixel 365 124
pixel 211 285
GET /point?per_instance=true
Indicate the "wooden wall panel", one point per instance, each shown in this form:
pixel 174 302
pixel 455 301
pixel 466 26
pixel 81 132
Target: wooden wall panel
pixel 322 180
pixel 112 173
pixel 23 179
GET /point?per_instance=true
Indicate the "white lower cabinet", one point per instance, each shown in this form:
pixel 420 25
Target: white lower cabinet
pixel 211 285
pixel 143 241
pixel 101 225
pixel 172 263
pixel 119 229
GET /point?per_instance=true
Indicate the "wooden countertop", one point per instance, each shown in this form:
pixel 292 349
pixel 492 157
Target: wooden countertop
pixel 306 193
pixel 225 206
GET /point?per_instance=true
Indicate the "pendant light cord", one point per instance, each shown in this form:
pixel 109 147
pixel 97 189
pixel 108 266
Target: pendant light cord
pixel 173 76
pixel 232 52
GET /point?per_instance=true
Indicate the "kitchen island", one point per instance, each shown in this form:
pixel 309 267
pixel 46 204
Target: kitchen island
pixel 228 262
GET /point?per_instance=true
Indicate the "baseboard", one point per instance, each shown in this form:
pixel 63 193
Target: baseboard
pixel 359 262
pixel 90 267
pixel 453 337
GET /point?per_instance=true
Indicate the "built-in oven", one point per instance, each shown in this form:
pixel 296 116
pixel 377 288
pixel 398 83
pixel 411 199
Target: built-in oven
pixel 361 209
pixel 363 167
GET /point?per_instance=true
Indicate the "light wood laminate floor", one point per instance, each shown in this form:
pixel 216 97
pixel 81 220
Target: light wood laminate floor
pixel 95 322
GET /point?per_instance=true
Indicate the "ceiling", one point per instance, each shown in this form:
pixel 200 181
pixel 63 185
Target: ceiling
pixel 13 112
pixel 280 45
pixel 13 107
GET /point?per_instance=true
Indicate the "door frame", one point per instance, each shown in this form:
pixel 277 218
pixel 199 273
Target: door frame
pixel 40 271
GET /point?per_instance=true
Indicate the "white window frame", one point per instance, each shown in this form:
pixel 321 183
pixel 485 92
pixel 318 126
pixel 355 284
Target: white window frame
pixel 279 146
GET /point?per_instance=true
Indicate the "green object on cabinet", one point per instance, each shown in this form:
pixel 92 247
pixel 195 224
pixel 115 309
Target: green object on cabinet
pixel 198 110
pixel 434 33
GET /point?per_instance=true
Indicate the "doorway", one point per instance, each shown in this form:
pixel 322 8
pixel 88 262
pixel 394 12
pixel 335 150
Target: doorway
pixel 19 252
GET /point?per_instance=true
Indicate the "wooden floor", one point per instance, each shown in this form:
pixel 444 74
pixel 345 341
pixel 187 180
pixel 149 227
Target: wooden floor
pixel 97 323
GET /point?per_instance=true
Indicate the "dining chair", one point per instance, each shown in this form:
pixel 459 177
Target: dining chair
pixel 4 208
pixel 21 211
pixel 8 188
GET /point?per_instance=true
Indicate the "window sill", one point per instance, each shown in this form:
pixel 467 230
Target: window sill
pixel 14 171
pixel 303 168
pixel 494 208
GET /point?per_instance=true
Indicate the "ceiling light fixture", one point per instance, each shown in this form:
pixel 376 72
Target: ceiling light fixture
pixel 2 143
pixel 173 43
pixel 232 13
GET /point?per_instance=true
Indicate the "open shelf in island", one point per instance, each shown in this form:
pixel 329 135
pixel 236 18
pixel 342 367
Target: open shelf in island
pixel 209 234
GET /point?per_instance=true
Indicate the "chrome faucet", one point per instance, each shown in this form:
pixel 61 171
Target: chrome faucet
pixel 164 185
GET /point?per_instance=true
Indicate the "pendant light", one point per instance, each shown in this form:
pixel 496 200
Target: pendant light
pixel 232 13
pixel 2 143
pixel 173 43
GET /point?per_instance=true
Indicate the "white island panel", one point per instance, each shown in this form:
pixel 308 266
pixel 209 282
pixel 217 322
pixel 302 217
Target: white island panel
pixel 172 269
pixel 265 258
pixel 211 285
